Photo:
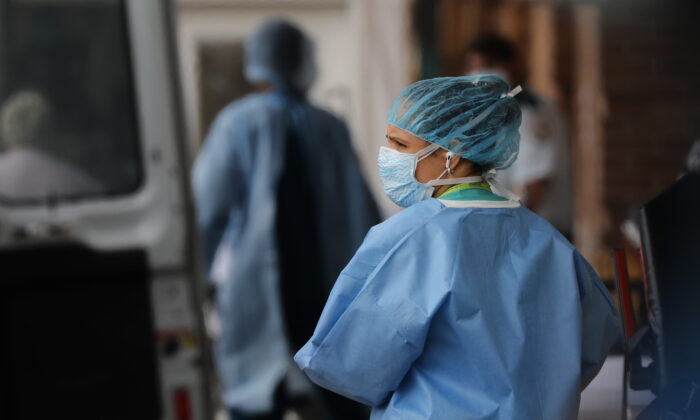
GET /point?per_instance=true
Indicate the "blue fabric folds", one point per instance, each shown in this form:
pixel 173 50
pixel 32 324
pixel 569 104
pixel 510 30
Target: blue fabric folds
pixel 463 313
pixel 471 116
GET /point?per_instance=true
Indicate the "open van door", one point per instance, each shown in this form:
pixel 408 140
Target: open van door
pixel 99 297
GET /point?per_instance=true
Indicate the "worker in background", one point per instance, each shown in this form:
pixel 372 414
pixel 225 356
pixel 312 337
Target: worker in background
pixel 31 168
pixel 542 175
pixel 465 305
pixel 281 207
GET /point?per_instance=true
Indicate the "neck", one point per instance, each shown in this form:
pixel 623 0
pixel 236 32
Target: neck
pixel 440 189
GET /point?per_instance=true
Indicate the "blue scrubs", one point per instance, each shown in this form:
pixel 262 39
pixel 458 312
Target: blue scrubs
pixel 467 307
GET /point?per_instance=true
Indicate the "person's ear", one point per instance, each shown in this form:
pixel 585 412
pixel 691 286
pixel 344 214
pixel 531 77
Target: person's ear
pixel 451 162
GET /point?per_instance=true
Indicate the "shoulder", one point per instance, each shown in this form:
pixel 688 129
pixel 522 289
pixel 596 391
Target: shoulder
pixel 407 220
pixel 324 121
pixel 325 115
pixel 533 223
pixel 514 228
pixel 240 119
pixel 386 237
pixel 251 105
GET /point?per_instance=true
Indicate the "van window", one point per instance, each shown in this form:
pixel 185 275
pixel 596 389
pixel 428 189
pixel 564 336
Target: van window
pixel 68 126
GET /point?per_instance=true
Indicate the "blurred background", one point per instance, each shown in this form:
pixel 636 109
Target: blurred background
pixel 620 71
pixel 128 91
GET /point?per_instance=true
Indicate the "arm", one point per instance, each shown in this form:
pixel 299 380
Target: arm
pixel 217 182
pixel 372 330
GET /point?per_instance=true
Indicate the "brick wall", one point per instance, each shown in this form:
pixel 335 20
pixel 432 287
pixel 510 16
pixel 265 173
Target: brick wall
pixel 651 70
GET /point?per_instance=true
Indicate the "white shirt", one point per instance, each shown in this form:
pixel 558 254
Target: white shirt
pixel 544 154
pixel 28 174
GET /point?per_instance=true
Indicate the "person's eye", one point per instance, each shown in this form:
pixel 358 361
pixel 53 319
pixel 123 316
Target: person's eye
pixel 395 142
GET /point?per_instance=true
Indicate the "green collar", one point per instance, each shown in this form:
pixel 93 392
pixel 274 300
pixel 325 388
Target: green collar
pixel 478 191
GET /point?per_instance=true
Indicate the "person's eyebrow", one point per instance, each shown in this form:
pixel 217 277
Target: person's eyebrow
pixel 396 139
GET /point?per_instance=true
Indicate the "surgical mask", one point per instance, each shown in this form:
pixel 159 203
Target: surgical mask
pixel 398 173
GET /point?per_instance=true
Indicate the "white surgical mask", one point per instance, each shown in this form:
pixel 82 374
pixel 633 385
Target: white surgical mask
pixel 398 173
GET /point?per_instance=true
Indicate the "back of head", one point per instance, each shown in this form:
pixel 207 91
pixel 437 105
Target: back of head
pixel 280 54
pixel 472 116
pixel 24 119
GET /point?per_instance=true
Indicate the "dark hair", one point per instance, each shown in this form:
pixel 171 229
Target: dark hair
pixel 494 48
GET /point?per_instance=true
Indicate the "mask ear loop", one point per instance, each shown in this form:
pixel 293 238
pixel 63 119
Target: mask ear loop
pixel 447 170
pixel 424 153
pixel 427 151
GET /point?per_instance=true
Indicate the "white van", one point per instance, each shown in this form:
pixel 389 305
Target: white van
pixel 99 292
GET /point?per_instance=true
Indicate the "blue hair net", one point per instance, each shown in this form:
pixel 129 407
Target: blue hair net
pixel 280 54
pixel 471 116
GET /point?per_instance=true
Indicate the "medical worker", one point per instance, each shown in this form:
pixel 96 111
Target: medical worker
pixel 282 207
pixel 465 305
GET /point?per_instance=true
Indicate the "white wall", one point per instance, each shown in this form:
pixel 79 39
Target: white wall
pixel 362 53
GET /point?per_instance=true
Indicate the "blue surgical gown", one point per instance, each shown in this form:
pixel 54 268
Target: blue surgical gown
pixel 236 182
pixel 463 313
